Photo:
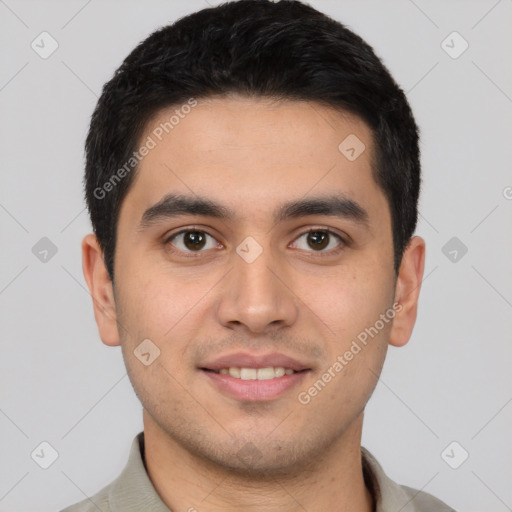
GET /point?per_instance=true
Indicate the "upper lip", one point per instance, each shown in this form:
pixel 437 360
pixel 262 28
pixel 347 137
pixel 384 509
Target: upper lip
pixel 245 360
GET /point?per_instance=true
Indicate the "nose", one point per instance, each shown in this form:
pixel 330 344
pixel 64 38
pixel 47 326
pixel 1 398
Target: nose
pixel 257 295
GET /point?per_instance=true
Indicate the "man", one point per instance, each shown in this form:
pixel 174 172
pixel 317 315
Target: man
pixel 252 178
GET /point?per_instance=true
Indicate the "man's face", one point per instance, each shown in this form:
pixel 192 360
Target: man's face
pixel 255 290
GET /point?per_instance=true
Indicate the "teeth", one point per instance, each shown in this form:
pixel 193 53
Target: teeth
pixel 248 373
pixel 280 371
pixel 266 373
pixel 270 372
pixel 234 372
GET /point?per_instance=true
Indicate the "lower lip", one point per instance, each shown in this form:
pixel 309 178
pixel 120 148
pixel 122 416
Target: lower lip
pixel 255 390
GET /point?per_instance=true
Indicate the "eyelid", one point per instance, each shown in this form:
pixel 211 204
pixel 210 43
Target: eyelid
pixel 188 229
pixel 304 229
pixel 344 239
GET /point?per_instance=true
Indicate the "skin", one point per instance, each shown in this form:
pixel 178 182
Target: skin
pixel 253 155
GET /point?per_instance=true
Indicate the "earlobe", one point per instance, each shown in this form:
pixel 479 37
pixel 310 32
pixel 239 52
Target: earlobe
pixel 407 291
pixel 101 289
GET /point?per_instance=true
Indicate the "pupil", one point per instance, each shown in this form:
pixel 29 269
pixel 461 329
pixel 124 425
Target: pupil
pixel 194 240
pixel 319 239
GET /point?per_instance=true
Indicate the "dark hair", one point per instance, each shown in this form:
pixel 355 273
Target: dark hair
pixel 282 50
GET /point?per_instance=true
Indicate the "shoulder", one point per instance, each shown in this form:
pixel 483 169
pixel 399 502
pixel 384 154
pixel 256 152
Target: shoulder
pixel 390 496
pixel 425 502
pixel 100 501
pixel 121 493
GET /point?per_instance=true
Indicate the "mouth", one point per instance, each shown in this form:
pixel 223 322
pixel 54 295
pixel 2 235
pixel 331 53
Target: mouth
pixel 266 373
pixel 254 377
pixel 248 384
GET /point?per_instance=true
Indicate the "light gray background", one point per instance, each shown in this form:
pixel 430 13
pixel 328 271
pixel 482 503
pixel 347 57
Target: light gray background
pixel 452 382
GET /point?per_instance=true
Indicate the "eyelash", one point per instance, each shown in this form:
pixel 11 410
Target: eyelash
pixel 195 254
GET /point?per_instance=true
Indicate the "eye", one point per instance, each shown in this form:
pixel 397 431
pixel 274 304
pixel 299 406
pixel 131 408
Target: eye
pixel 192 241
pixel 318 240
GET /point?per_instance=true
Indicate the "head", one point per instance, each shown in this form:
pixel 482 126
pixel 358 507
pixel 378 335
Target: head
pixel 250 125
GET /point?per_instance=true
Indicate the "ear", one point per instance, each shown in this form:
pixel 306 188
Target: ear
pixel 101 289
pixel 407 291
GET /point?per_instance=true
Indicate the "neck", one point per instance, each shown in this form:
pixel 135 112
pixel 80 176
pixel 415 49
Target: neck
pixel 185 481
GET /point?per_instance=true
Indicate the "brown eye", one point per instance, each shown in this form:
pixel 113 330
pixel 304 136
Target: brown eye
pixel 192 241
pixel 319 240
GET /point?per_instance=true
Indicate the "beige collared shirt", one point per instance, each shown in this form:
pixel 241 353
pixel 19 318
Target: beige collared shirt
pixel 132 490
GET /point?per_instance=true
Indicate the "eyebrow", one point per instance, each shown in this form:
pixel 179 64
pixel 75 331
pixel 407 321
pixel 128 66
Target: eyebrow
pixel 175 205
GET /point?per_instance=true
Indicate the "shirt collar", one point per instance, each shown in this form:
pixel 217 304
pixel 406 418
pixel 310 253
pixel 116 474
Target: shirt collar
pixel 132 490
pixel 388 495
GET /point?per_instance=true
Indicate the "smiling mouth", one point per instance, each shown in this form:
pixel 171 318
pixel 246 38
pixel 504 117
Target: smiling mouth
pixel 266 373
pixel 255 384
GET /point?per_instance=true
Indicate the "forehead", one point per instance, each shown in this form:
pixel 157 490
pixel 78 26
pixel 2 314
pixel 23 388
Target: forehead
pixel 250 152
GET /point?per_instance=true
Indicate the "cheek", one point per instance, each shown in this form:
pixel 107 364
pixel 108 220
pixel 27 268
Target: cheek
pixel 166 310
pixel 155 339
pixel 151 303
pixel 349 302
pixel 362 319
